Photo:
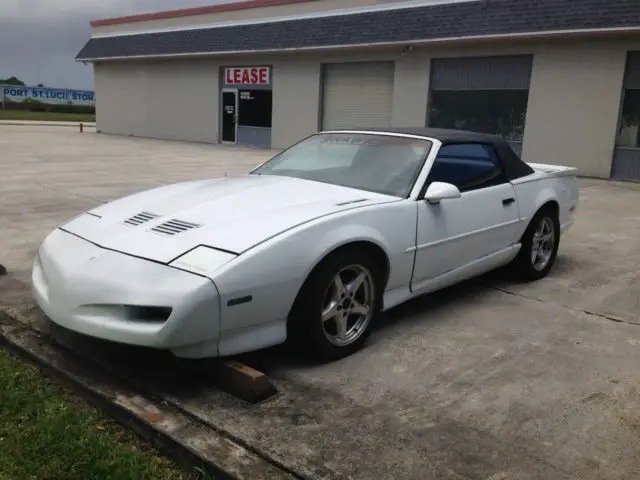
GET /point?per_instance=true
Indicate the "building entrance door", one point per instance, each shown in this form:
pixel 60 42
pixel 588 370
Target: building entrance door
pixel 229 115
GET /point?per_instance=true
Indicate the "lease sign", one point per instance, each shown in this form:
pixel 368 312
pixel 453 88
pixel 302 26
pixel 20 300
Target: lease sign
pixel 247 75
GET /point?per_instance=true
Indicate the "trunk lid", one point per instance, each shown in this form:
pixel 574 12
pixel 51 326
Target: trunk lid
pixel 553 170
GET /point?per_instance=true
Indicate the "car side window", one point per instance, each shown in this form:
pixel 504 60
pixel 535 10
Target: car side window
pixel 468 166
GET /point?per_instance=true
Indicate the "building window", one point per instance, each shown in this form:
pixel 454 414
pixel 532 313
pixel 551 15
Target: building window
pixel 629 133
pixel 500 112
pixel 254 109
pixel 485 95
pixel 626 156
pixel 629 129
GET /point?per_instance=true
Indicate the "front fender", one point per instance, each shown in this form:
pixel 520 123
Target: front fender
pixel 344 235
pixel 273 272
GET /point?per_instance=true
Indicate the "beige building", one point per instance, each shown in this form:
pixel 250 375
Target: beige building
pixel 560 79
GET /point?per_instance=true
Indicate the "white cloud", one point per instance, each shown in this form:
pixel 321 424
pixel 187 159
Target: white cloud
pixel 33 10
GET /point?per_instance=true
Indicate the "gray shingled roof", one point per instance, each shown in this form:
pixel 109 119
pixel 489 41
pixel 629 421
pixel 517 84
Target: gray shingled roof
pixel 480 18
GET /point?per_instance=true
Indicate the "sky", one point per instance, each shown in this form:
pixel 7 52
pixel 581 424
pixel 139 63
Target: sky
pixel 40 38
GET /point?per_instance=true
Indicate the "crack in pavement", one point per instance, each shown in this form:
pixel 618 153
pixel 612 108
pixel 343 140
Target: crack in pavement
pixel 67 192
pixel 499 289
pixel 607 316
pixel 611 317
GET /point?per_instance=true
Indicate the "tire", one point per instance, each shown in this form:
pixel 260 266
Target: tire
pixel 325 340
pixel 524 266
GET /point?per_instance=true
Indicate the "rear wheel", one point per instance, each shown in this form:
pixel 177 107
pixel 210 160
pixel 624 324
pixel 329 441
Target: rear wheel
pixel 334 310
pixel 539 245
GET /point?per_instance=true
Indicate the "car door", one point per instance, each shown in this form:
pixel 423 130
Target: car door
pixel 456 232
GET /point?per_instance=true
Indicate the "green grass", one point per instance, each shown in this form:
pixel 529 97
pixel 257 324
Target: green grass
pixel 46 433
pixel 46 116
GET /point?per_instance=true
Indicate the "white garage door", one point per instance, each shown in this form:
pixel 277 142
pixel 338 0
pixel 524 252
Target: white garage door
pixel 357 95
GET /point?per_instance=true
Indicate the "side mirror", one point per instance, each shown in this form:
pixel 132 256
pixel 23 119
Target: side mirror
pixel 438 191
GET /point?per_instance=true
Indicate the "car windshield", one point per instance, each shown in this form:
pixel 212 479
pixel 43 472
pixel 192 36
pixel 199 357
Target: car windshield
pixel 387 164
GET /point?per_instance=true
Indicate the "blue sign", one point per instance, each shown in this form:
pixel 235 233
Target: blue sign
pixel 15 94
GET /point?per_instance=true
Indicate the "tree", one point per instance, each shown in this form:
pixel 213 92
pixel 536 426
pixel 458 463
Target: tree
pixel 12 81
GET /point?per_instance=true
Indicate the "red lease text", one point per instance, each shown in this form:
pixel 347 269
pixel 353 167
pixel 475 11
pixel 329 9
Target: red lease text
pixel 247 75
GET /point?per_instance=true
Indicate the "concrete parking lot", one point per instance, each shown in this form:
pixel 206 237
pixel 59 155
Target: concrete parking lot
pixel 490 380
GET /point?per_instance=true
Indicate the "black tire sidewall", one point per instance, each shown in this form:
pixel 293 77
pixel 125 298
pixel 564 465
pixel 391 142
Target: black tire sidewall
pixel 305 324
pixel 525 263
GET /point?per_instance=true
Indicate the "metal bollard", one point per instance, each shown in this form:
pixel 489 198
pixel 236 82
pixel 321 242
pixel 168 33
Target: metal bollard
pixel 81 127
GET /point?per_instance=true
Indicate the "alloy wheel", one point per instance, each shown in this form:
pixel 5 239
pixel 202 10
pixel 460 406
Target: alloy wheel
pixel 543 243
pixel 348 305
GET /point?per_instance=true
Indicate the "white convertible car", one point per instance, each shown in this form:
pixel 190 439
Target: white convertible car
pixel 310 246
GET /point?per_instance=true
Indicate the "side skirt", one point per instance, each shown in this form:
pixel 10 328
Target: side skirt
pixel 457 275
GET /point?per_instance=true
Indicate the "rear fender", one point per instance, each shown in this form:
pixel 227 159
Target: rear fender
pixel 531 197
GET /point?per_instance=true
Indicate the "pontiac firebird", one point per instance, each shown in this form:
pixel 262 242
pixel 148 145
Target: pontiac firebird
pixel 310 247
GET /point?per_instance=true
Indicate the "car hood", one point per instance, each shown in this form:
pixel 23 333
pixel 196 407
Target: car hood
pixel 232 214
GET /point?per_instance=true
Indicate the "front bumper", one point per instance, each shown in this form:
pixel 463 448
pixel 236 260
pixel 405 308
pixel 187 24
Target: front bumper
pixel 124 299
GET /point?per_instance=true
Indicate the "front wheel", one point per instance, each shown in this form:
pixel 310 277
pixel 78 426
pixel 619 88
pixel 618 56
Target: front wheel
pixel 539 246
pixel 333 313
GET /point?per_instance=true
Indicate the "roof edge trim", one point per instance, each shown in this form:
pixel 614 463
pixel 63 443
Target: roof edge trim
pixel 501 36
pixel 337 12
pixel 187 12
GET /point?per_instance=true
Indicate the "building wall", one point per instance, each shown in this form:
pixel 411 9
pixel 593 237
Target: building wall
pixel 168 100
pixel 297 91
pixel 296 101
pixel 572 114
pixel 573 109
pixel 180 99
pixel 410 91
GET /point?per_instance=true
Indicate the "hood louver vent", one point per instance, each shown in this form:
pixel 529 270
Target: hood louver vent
pixel 173 227
pixel 140 218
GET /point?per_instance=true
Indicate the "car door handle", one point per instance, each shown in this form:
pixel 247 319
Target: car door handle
pixel 508 201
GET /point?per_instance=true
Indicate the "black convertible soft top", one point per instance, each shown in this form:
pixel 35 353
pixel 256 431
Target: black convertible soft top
pixel 512 164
